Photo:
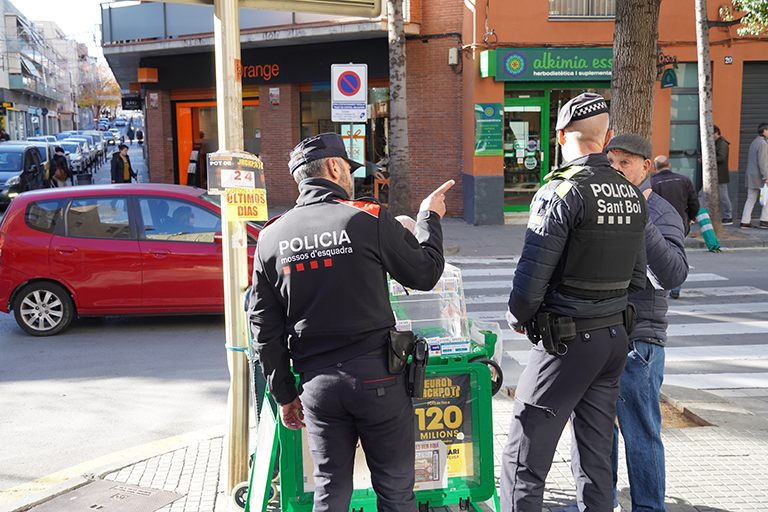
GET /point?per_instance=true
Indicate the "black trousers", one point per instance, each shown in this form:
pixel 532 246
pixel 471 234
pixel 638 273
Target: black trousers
pixel 360 398
pixel 582 386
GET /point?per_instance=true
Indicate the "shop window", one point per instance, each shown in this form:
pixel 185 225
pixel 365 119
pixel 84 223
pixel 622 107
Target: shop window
pixel 565 9
pixel 374 134
pixel 684 139
pixel 558 98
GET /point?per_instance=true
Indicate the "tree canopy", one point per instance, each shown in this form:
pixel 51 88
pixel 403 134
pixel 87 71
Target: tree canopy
pixel 755 12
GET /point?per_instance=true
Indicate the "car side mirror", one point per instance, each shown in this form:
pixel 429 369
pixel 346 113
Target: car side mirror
pixel 217 237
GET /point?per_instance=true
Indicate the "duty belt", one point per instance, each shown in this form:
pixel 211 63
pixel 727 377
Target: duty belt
pixel 590 324
pixel 553 330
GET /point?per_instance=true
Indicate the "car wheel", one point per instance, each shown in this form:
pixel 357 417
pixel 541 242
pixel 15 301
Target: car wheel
pixel 43 308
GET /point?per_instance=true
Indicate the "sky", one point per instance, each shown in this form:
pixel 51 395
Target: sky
pixel 77 18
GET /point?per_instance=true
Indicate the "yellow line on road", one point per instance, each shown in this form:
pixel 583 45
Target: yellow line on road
pixel 47 481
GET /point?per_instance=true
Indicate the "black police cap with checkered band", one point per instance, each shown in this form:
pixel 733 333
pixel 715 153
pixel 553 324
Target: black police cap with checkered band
pixel 582 106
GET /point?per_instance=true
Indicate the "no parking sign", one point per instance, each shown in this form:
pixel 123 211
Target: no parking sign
pixel 349 92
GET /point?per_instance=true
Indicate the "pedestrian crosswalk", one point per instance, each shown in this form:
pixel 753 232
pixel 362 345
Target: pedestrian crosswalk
pixel 712 345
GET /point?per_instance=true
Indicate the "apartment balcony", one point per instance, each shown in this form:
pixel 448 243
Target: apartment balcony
pixel 20 82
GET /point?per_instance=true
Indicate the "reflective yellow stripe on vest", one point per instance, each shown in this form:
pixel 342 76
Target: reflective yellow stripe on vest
pixel 563 188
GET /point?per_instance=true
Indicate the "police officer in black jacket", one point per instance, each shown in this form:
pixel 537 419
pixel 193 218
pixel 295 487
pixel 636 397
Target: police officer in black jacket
pixel 584 249
pixel 320 304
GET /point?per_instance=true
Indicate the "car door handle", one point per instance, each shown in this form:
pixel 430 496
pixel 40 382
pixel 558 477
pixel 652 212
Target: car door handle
pixel 160 253
pixel 65 249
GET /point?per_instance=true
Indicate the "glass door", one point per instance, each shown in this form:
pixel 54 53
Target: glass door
pixel 525 153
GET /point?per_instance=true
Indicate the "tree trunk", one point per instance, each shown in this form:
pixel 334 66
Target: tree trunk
pixel 634 66
pixel 400 199
pixel 708 160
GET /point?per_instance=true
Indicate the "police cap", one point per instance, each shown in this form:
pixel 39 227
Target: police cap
pixel 582 106
pixel 324 145
pixel 631 143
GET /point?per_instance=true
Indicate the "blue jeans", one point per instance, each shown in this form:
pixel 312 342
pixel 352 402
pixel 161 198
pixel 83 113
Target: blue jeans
pixel 640 423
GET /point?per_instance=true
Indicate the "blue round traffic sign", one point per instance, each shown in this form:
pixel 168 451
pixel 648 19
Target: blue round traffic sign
pixel 349 83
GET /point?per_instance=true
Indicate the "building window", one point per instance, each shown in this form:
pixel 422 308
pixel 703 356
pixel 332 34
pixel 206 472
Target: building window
pixel 581 9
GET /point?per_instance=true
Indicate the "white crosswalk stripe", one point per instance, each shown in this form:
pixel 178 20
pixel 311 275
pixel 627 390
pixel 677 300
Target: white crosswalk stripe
pixel 698 354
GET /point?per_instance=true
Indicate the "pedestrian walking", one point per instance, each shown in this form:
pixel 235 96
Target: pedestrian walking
pixel 120 167
pixel 757 176
pixel 130 135
pixel 584 251
pixel 722 151
pixel 677 190
pixel 140 136
pixel 330 300
pixel 638 405
pixel 4 136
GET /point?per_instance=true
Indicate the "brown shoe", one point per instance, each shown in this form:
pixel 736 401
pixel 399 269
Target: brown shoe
pixel 763 224
pixel 744 226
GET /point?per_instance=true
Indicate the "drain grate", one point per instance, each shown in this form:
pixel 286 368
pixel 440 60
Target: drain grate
pixel 108 496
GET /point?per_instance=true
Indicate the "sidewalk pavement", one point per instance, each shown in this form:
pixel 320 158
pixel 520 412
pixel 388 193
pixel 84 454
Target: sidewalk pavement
pixel 720 466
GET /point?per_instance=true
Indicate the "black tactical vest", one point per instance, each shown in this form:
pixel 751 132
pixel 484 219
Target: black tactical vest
pixel 601 252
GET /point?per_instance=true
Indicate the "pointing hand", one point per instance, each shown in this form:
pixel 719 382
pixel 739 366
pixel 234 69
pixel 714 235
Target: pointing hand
pixel 436 200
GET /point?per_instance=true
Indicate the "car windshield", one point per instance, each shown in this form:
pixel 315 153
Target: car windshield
pixel 71 147
pixel 10 161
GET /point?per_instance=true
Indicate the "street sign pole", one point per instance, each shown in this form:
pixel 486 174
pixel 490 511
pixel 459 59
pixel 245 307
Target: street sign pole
pixel 229 101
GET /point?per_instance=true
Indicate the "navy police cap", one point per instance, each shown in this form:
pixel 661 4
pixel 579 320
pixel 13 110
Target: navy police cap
pixel 324 145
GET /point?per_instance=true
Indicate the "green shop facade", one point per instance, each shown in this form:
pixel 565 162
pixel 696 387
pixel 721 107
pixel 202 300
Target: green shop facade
pixel 537 82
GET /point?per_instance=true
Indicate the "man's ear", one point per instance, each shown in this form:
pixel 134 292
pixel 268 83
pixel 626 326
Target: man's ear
pixel 608 137
pixel 333 169
pixel 647 166
pixel 561 137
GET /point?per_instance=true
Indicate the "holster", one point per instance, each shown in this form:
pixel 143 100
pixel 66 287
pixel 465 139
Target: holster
pixel 401 344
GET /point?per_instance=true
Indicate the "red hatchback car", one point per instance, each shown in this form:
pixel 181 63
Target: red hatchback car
pixel 126 249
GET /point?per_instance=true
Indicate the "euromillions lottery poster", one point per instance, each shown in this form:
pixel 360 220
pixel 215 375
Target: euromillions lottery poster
pixel 443 431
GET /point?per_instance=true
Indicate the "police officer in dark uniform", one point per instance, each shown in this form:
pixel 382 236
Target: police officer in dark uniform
pixel 584 250
pixel 320 303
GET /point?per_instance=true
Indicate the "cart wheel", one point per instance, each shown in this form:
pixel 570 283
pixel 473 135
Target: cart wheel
pixel 272 493
pixel 240 495
pixel 497 376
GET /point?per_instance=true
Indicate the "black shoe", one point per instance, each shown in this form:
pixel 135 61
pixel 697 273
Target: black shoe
pixel 674 294
pixel 745 226
pixel 727 222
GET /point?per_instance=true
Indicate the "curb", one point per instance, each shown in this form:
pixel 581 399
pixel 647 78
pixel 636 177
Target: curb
pixel 709 410
pixel 36 498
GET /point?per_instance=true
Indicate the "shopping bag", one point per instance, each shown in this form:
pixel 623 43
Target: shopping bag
pixel 764 195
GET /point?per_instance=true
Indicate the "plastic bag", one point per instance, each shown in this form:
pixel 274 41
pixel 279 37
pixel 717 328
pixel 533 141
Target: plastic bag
pixel 764 195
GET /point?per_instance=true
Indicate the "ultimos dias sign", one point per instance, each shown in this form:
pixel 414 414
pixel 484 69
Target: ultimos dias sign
pixel 553 64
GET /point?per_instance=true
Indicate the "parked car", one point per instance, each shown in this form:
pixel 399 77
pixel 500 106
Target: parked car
pixel 45 138
pixel 21 170
pixel 74 153
pixel 98 140
pixel 117 136
pixel 46 150
pixel 120 121
pixel 120 249
pixel 89 152
pixel 65 134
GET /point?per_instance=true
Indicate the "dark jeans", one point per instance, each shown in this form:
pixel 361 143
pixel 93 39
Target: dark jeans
pixel 359 398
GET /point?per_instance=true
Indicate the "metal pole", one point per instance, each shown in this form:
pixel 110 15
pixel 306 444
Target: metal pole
pixel 229 99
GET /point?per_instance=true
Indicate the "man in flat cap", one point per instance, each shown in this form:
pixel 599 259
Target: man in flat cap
pixel 320 306
pixel 584 250
pixel 638 408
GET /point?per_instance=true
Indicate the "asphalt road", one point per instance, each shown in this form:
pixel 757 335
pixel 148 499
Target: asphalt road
pixel 104 385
